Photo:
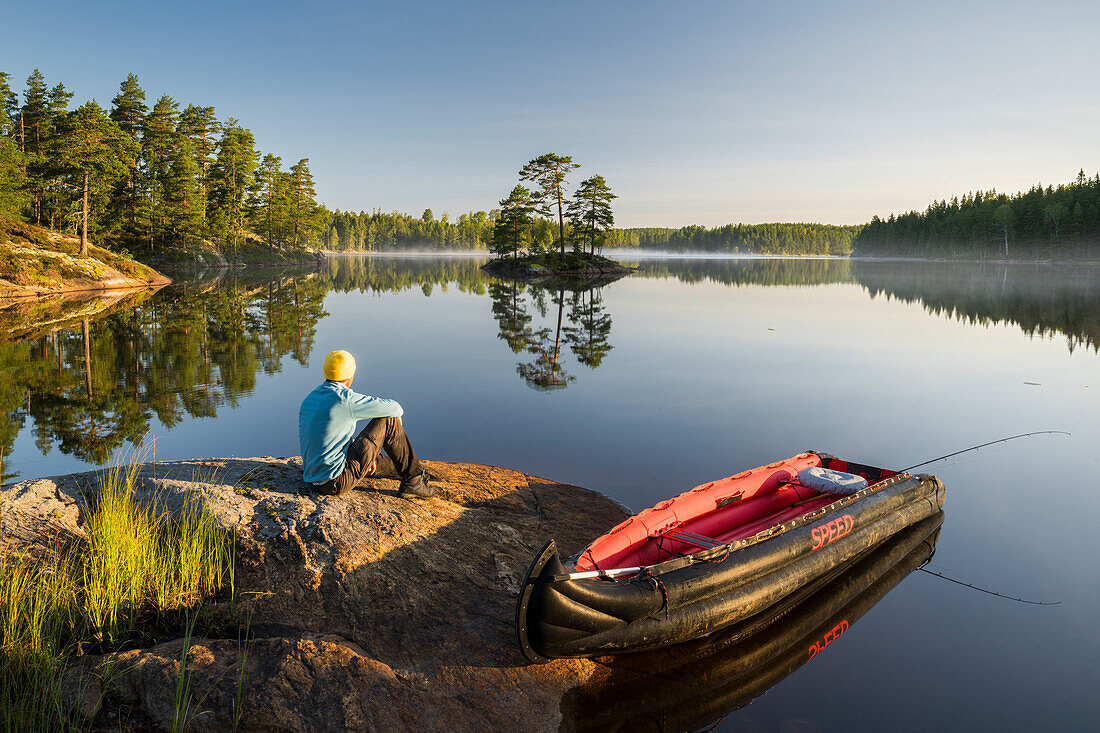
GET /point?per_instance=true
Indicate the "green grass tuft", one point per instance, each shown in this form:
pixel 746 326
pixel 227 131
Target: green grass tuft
pixel 138 562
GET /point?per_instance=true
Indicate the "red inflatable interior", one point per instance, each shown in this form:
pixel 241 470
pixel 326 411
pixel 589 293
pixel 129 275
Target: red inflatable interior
pixel 717 513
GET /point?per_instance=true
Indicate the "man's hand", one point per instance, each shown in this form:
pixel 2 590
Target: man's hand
pixel 371 468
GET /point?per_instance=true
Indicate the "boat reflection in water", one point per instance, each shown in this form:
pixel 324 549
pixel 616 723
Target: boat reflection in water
pixel 692 685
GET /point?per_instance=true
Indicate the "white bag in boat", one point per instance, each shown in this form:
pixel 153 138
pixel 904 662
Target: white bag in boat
pixel 831 482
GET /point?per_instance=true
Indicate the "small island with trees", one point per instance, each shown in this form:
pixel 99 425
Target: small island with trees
pixel 523 241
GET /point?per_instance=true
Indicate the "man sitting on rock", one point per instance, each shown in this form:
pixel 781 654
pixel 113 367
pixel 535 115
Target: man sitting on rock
pixel 331 460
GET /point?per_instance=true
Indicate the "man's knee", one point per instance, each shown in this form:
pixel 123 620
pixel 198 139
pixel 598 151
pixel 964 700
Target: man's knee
pixel 391 426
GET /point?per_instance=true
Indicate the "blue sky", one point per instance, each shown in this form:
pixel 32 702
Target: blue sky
pixel 696 112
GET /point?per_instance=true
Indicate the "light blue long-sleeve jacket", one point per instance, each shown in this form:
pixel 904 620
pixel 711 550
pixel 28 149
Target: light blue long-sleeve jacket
pixel 326 425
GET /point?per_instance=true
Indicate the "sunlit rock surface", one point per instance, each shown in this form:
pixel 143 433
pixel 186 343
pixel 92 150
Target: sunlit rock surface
pixel 367 611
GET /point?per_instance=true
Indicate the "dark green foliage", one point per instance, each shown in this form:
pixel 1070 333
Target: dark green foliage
pixel 269 202
pixel 784 239
pixel 547 172
pixel 305 216
pixel 91 152
pixel 201 128
pixel 129 213
pixel 510 234
pixel 188 185
pixel 181 197
pixel 13 176
pixel 1044 222
pixel 35 130
pixel 230 180
pixel 349 231
pixel 590 213
pixel 159 145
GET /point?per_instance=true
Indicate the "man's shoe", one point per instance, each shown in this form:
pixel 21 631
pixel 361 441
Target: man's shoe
pixel 416 488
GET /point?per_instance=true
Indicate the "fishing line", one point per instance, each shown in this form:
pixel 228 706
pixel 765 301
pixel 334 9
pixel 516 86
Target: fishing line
pixel 990 592
pixel 983 445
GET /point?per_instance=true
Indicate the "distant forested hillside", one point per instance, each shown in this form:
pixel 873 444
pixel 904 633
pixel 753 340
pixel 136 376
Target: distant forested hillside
pixel 1061 221
pixel 785 239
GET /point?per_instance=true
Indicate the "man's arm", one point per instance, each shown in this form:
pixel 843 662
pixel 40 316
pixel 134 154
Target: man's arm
pixel 365 407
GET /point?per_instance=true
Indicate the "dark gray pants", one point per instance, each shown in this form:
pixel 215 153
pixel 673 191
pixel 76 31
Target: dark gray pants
pixel 381 434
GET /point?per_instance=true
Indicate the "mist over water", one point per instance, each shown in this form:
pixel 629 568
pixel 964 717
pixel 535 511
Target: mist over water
pixel 691 369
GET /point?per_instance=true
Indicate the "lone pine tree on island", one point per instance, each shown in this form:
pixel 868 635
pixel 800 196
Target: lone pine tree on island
pixel 547 172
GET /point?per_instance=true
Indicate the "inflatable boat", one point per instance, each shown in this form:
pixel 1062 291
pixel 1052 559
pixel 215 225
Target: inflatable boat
pixel 689 686
pixel 716 555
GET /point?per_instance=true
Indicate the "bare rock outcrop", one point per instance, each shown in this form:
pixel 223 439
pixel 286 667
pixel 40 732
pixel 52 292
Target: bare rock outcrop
pixel 366 612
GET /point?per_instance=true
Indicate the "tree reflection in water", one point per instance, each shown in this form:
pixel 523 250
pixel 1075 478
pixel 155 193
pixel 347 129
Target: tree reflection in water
pixel 92 380
pixel 92 388
pixel 587 332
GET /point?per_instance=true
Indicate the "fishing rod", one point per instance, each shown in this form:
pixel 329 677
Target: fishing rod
pixel 990 592
pixel 983 445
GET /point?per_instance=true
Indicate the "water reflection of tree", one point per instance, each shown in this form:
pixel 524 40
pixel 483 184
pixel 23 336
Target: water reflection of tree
pixel 510 312
pixel 749 270
pixel 546 371
pixel 587 332
pixel 185 352
pixel 588 336
pixel 1039 300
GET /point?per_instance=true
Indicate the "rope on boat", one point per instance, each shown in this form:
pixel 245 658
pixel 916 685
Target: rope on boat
pixel 661 587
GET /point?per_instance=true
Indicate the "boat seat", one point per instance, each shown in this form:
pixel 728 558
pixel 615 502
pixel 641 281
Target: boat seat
pixel 707 543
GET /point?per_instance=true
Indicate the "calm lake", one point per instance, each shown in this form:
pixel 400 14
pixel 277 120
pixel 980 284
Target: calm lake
pixel 689 370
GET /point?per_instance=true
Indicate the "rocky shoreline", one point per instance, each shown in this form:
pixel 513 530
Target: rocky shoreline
pixel 364 612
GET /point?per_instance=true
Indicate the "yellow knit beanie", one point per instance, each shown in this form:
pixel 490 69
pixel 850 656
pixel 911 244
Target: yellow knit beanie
pixel 339 365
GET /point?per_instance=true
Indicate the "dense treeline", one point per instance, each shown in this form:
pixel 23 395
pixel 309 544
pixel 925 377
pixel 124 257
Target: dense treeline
pixel 1051 221
pixel 143 177
pixel 778 239
pixel 349 231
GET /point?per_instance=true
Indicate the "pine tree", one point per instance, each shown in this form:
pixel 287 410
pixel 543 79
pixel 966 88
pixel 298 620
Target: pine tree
pixel 91 150
pixel 303 208
pixel 269 202
pixel 590 212
pixel 511 230
pixel 231 177
pixel 159 144
pixel 181 199
pixel 128 111
pixel 37 118
pixel 548 173
pixel 201 128
pixel 12 165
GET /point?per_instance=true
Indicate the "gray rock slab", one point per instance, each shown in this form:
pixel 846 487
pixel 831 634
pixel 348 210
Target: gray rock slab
pixel 365 612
